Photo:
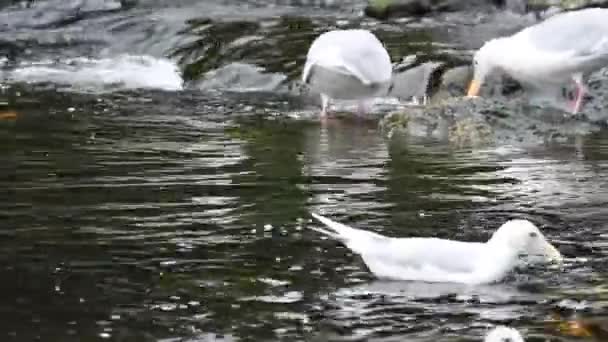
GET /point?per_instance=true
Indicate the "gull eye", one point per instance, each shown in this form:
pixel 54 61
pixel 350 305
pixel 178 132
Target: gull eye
pixel 533 234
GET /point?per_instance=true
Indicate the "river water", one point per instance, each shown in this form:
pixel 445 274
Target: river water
pixel 159 176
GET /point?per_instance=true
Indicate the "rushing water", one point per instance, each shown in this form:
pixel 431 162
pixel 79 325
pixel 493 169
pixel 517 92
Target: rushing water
pixel 177 213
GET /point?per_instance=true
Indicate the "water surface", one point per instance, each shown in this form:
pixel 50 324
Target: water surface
pixel 143 206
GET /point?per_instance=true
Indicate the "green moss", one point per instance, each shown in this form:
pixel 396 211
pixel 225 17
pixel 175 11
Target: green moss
pixel 565 4
pixel 380 5
pixel 392 122
pixel 469 132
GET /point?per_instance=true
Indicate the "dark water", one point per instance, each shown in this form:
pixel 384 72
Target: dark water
pixel 180 214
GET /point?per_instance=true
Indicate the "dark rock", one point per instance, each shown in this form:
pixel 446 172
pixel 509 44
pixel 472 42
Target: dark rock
pixel 487 122
pixel 563 5
pixel 501 115
pixel 453 82
pixel 413 82
pixel 55 13
pixel 383 9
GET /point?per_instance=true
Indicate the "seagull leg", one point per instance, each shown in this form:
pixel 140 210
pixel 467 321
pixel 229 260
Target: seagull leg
pixel 425 100
pixel 361 108
pixel 580 92
pixel 324 106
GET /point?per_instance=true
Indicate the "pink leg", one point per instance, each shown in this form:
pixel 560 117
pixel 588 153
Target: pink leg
pixel 576 104
pixel 324 106
pixel 361 108
pixel 580 93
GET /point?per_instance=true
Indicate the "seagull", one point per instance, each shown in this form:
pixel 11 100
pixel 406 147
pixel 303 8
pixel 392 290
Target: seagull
pixel 441 260
pixel 347 65
pixel 545 57
pixel 503 334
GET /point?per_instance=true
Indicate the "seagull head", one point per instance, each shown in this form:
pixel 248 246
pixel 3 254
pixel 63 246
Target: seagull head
pixel 503 334
pixel 526 239
pixel 485 62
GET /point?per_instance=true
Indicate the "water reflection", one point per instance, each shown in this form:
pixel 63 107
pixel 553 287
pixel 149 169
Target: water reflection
pixel 346 161
pixel 381 308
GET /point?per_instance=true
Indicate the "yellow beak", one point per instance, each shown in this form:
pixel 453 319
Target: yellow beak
pixel 552 254
pixel 473 88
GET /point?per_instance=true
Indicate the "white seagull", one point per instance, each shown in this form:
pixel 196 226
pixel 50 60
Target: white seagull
pixel 347 65
pixel 503 334
pixel 441 260
pixel 547 56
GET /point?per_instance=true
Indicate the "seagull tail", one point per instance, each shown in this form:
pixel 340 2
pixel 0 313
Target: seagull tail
pixel 343 232
pixel 327 232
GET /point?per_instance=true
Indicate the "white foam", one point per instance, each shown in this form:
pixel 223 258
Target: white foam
pixel 122 72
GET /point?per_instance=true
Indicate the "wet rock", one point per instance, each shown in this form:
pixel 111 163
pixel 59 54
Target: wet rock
pixel 306 3
pixel 594 327
pixel 55 13
pixel 470 132
pixel 489 121
pixel 445 121
pixel 383 9
pixel 439 81
pixel 241 77
pixel 6 3
pixel 413 82
pixel 569 5
pixel 454 82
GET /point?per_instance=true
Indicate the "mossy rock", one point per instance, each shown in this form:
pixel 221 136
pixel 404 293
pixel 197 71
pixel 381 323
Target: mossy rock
pixel 538 5
pixel 469 132
pixel 455 120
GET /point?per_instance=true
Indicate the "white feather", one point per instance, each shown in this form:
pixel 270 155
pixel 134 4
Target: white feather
pixel 348 65
pixel 441 260
pixel 504 334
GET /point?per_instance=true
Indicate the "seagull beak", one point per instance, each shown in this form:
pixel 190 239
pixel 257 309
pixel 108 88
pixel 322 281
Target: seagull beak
pixel 552 254
pixel 473 88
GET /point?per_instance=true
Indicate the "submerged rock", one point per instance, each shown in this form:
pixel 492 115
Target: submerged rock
pixel 454 120
pixel 477 122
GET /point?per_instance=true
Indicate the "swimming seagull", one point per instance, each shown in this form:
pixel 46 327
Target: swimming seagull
pixel 544 57
pixel 347 65
pixel 440 260
pixel 503 334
